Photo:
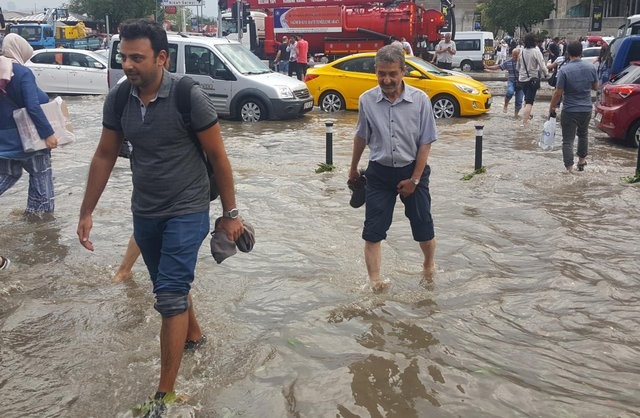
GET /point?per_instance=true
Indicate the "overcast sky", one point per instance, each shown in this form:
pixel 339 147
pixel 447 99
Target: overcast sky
pixel 210 8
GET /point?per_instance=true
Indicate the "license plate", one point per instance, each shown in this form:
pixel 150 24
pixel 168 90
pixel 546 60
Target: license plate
pixel 308 105
pixel 598 117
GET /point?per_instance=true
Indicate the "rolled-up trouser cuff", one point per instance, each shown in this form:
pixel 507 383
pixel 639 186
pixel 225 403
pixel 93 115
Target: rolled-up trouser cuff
pixel 171 304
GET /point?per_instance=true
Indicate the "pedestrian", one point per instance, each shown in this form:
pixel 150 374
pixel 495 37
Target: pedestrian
pixel 603 68
pixel 396 122
pixel 282 57
pixel 576 79
pixel 444 52
pixel 530 66
pixel 302 57
pixel 18 89
pixel 406 46
pixel 513 87
pixel 293 57
pixel 170 199
pixel 553 49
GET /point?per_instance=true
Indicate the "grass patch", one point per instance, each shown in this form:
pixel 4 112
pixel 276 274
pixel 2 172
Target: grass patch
pixel 324 167
pixel 480 170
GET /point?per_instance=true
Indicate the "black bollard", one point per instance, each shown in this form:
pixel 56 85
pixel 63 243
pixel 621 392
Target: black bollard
pixel 478 164
pixel 329 143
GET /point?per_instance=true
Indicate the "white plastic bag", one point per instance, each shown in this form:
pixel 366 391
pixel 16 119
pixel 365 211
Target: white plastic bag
pixel 548 135
pixel 58 116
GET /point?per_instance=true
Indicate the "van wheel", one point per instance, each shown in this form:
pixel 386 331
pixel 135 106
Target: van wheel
pixel 466 66
pixel 445 106
pixel 331 101
pixel 633 134
pixel 252 110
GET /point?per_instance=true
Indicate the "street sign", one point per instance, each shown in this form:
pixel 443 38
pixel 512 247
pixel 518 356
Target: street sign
pixel 182 3
pixel 170 10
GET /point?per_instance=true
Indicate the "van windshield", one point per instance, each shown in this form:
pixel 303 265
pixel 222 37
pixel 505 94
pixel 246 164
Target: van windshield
pixel 242 59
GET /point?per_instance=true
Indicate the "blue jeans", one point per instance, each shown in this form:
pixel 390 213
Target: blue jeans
pixel 169 247
pixel 381 194
pixel 41 195
pixel 513 89
pixel 572 122
pixel 283 67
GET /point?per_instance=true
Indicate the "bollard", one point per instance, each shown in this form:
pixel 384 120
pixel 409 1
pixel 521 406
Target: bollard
pixel 478 164
pixel 329 143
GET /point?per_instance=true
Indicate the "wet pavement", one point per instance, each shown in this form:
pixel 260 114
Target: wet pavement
pixel 533 311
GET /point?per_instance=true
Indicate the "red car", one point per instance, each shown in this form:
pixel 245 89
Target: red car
pixel 618 111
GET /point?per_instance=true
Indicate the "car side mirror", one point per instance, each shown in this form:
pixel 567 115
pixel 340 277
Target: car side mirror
pixel 415 74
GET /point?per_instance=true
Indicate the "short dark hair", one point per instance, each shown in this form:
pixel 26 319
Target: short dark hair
pixel 574 49
pixel 145 28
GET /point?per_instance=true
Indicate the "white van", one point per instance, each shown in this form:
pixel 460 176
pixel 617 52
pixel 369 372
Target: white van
pixel 241 86
pixel 473 48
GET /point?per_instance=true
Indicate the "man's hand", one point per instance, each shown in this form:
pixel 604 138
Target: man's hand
pixel 406 188
pixel 52 142
pixel 233 227
pixel 84 229
pixel 354 175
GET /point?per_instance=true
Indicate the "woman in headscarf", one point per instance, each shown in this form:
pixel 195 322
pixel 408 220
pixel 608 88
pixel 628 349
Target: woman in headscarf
pixel 18 89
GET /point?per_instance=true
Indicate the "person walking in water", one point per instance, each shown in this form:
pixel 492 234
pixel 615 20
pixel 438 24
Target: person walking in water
pixel 576 79
pixel 513 88
pixel 530 66
pixel 170 199
pixel 396 122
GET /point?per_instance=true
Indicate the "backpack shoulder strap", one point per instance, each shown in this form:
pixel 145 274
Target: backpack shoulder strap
pixel 183 98
pixel 122 97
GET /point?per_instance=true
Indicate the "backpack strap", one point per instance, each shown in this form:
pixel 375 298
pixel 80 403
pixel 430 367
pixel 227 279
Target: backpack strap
pixel 122 97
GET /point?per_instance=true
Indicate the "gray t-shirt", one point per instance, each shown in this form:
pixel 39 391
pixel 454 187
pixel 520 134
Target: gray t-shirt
pixel 394 131
pixel 576 79
pixel 169 174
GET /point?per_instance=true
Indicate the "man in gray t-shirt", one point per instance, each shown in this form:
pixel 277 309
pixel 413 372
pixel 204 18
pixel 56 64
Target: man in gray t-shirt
pixel 576 80
pixel 170 201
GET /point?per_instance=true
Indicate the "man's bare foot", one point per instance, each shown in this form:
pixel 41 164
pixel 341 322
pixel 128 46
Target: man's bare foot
pixel 504 108
pixel 378 286
pixel 429 273
pixel 121 276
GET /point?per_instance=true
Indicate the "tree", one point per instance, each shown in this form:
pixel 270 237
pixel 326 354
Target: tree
pixel 118 10
pixel 510 14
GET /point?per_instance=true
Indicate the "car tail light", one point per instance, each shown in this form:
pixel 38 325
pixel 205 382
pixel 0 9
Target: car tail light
pixel 309 77
pixel 613 95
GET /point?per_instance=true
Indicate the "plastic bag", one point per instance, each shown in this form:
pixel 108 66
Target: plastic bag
pixel 548 135
pixel 58 116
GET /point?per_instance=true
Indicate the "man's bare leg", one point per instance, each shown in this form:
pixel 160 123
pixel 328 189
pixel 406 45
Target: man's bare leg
pixel 373 259
pixel 429 251
pixel 173 334
pixel 194 333
pixel 129 259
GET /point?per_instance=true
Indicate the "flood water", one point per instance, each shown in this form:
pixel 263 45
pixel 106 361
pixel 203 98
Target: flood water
pixel 534 310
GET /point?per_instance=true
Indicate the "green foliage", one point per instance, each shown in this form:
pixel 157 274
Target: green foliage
pixel 469 176
pixel 118 10
pixel 510 14
pixel 322 167
pixel 632 179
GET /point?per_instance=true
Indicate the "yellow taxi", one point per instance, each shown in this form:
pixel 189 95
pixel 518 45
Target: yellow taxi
pixel 339 84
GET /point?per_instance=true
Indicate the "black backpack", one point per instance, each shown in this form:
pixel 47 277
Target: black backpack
pixel 183 102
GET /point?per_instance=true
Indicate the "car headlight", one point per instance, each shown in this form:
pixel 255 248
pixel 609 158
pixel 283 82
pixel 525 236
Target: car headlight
pixel 284 92
pixel 466 89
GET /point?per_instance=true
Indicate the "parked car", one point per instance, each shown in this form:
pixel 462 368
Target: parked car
pixel 618 111
pixel 590 54
pixel 623 51
pixel 338 85
pixel 240 85
pixel 69 71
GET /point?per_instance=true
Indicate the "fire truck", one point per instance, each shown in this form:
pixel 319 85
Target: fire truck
pixel 336 28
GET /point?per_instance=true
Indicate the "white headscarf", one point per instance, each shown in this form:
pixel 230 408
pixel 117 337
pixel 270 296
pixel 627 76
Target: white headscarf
pixel 14 49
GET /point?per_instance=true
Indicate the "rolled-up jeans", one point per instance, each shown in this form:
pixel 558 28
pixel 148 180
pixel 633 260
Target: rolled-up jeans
pixel 514 90
pixel 572 122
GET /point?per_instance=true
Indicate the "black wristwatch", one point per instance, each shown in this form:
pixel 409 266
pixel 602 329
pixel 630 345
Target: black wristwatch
pixel 233 213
